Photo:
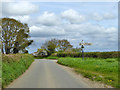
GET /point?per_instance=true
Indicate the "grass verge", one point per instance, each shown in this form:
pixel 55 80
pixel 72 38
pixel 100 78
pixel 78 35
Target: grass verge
pixel 13 66
pixel 103 70
pixel 0 71
pixel 50 57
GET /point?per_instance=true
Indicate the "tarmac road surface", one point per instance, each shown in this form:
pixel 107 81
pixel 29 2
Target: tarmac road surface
pixel 47 74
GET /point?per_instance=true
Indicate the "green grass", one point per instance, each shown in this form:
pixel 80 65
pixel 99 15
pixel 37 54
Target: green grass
pixel 50 57
pixel 13 66
pixel 103 70
pixel 0 71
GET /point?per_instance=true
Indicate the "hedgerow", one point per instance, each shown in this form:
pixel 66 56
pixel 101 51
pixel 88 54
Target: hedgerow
pixel 89 54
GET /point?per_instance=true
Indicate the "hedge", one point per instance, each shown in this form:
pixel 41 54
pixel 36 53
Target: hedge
pixel 89 54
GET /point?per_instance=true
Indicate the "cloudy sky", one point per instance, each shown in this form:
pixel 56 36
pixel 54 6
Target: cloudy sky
pixel 94 22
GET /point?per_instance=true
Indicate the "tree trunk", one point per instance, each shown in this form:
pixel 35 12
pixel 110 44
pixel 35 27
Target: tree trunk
pixel 15 50
pixel 7 50
pixel 2 51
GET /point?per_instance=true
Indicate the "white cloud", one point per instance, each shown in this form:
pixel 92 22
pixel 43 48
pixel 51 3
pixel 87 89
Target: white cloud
pixel 91 31
pixel 73 16
pixel 46 31
pixel 99 17
pixel 111 30
pixel 19 8
pixel 48 18
pixel 109 16
pixel 76 31
pixel 23 19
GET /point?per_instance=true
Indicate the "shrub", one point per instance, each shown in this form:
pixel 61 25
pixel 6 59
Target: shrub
pixel 69 54
pixel 89 54
pixel 54 54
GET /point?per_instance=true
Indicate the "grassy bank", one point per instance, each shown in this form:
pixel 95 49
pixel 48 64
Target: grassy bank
pixel 103 70
pixel 13 66
pixel 0 70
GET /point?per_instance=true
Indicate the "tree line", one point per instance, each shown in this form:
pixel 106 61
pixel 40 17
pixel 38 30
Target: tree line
pixel 15 36
pixel 56 45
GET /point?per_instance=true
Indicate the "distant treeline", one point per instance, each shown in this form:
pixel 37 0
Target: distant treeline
pixel 89 54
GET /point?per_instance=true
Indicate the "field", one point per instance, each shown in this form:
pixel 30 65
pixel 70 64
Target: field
pixel 13 66
pixel 102 70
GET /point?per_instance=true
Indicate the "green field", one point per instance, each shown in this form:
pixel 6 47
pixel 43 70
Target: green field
pixel 13 66
pixel 102 70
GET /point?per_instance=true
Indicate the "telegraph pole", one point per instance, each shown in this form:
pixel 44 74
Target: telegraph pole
pixel 82 46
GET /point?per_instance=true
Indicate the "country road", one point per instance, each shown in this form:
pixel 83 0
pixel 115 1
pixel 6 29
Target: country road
pixel 47 74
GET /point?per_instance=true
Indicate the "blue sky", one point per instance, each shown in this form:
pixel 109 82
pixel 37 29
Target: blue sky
pixel 95 22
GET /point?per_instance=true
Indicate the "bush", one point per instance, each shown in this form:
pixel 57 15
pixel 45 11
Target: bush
pixel 54 54
pixel 51 57
pixel 89 54
pixel 68 54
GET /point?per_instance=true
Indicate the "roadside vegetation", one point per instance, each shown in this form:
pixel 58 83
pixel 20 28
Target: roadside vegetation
pixel 89 54
pixel 0 70
pixel 57 55
pixel 15 39
pixel 13 66
pixel 98 69
pixel 49 57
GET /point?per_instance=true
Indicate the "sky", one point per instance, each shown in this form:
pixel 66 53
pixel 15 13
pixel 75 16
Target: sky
pixel 93 22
